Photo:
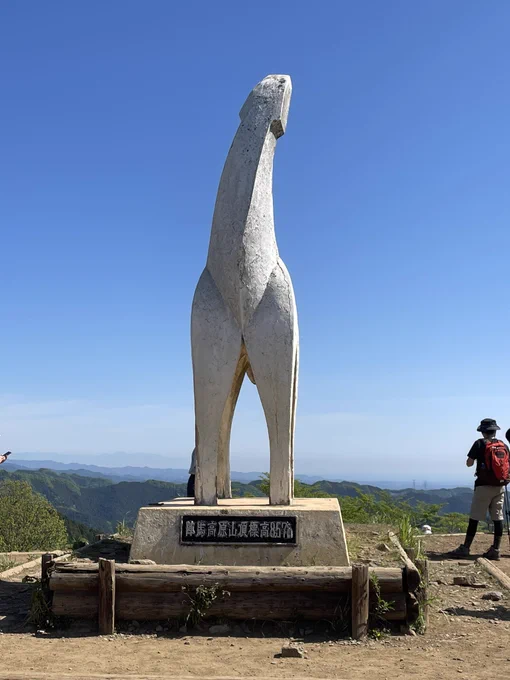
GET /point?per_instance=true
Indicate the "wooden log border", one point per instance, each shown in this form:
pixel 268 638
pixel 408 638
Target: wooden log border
pixel 162 578
pixel 272 606
pixel 422 594
pixel 26 566
pixel 411 573
pixel 109 591
pixel 495 572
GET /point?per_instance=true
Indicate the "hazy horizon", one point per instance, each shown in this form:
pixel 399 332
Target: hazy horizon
pixel 121 459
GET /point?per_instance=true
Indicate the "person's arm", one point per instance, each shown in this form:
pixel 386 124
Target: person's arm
pixel 3 457
pixel 473 454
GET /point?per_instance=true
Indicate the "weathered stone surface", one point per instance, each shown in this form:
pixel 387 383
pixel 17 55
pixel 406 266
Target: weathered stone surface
pixel 220 629
pixel 244 317
pixel 320 541
pixel 494 595
pixel 292 651
pixel 468 580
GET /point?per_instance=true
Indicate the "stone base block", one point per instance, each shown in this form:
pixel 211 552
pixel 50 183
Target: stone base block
pixel 310 532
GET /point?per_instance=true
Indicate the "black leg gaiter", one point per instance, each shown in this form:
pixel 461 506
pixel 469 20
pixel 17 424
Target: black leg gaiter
pixel 498 533
pixel 471 532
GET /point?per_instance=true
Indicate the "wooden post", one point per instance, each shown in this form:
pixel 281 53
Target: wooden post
pixel 495 571
pixel 360 594
pixel 422 592
pixel 106 608
pixel 411 553
pixel 46 561
pixel 412 575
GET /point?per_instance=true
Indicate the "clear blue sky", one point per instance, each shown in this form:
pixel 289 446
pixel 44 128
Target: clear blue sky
pixel 392 209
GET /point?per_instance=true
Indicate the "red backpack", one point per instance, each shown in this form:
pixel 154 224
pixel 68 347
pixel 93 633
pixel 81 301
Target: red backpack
pixel 497 461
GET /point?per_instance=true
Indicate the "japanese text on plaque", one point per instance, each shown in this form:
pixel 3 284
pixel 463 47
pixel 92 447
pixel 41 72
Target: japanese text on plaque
pixel 224 529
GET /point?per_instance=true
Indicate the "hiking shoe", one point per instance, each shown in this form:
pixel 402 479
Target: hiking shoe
pixel 492 554
pixel 461 551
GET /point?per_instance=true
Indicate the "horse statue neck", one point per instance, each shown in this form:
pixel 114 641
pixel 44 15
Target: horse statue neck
pixel 242 249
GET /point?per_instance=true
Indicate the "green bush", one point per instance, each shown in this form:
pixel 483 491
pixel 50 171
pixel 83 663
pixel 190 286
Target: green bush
pixel 452 523
pixel 124 529
pixel 409 536
pixel 301 490
pixel 27 520
pixel 382 508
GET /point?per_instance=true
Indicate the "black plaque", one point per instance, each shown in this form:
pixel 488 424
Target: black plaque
pixel 220 529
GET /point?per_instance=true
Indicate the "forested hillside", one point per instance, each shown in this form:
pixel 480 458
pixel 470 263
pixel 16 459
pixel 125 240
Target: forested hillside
pixel 451 500
pixel 100 504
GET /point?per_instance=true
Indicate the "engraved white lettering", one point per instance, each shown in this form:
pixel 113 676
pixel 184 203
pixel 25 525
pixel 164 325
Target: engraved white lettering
pixel 287 530
pixel 264 530
pixel 243 530
pixel 276 530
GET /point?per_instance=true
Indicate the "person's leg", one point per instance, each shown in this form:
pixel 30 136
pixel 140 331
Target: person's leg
pixel 478 511
pixel 497 514
pixel 191 487
pixel 471 532
pixel 463 549
pixel 498 533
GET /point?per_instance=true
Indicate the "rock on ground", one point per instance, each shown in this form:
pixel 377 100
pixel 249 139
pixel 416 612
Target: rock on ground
pixel 292 651
pixel 494 595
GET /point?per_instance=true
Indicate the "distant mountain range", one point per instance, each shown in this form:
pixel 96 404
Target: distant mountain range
pixel 130 473
pixel 98 501
pixel 127 473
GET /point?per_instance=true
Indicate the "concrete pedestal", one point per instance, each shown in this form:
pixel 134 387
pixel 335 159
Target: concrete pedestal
pixel 317 533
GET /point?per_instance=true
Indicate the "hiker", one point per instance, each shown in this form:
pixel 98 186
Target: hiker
pixel 492 459
pixel 3 457
pixel 192 472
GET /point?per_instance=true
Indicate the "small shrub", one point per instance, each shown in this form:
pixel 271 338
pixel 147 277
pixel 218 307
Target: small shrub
pixel 409 536
pixel 200 601
pixel 27 520
pixel 40 615
pixel 123 528
pixel 379 607
pixel 6 563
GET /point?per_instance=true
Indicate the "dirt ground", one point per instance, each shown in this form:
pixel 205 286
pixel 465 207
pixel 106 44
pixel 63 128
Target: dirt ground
pixel 467 637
